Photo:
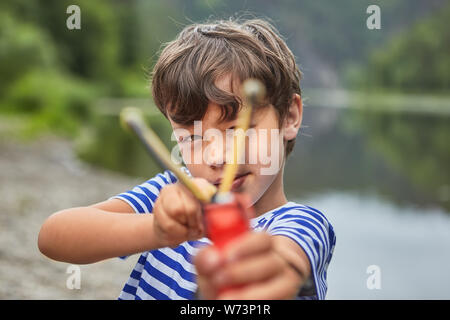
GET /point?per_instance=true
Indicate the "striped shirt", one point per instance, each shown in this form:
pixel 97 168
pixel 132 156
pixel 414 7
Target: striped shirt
pixel 168 273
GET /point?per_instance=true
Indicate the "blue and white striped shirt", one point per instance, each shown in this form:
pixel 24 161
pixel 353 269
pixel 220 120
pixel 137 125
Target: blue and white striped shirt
pixel 168 273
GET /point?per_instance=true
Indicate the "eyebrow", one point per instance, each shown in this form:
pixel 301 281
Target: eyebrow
pixel 190 126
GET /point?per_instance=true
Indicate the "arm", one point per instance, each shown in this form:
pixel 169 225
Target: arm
pixel 90 234
pixel 105 230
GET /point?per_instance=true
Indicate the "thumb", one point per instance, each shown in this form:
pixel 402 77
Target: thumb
pixel 207 261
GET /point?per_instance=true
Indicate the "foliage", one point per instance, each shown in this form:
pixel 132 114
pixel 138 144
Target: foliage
pixel 54 74
pixel 54 101
pixel 117 145
pixel 119 41
pixel 23 47
pixel 415 146
pixel 415 60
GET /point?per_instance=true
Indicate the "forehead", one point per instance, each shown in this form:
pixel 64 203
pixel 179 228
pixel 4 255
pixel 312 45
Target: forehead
pixel 213 112
pixel 264 116
pixel 213 116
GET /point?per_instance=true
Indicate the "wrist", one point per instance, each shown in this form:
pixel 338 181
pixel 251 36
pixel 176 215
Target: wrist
pixel 148 233
pixel 298 272
pixel 294 268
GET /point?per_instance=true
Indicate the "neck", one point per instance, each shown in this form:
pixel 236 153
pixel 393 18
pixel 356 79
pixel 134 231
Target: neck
pixel 274 196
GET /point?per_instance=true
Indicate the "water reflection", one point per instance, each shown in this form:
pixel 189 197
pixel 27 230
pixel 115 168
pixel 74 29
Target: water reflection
pixel 411 249
pixel 403 157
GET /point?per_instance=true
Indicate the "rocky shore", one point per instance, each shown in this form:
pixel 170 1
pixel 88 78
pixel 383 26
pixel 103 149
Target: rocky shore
pixel 37 179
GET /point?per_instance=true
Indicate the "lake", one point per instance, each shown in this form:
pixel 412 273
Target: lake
pixel 411 247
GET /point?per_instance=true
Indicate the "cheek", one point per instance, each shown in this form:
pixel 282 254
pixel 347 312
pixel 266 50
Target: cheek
pixel 194 170
pixel 259 186
pixel 192 158
pixel 189 152
pixel 185 154
pixel 266 149
pixel 251 152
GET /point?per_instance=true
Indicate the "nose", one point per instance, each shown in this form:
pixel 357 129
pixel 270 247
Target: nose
pixel 216 152
pixel 215 155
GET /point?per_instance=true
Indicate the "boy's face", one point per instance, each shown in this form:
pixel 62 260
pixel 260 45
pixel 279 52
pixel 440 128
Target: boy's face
pixel 207 146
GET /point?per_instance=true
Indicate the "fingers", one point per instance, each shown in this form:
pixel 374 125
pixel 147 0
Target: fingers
pixel 206 289
pixel 191 214
pixel 181 205
pixel 249 259
pixel 170 199
pixel 167 228
pixel 178 214
pixel 247 271
pixel 207 261
pixel 192 207
pixel 250 266
pixel 274 288
pixel 246 261
pixel 251 243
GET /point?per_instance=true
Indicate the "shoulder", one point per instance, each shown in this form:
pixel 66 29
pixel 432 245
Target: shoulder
pixel 312 231
pixel 300 219
pixel 142 196
pixel 293 210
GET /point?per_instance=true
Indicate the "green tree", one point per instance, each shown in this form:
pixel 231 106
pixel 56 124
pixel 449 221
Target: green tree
pixel 415 60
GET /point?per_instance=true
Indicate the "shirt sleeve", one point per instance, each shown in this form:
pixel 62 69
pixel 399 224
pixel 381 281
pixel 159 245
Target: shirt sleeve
pixel 143 196
pixel 310 229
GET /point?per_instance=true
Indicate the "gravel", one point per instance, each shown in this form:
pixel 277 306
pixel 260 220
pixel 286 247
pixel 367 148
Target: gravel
pixel 37 179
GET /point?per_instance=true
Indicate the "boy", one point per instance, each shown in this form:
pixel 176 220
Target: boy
pixel 197 78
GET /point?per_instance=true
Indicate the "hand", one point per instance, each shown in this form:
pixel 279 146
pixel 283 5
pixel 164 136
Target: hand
pixel 177 214
pixel 250 262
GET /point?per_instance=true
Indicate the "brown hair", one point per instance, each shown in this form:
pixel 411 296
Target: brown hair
pixel 184 77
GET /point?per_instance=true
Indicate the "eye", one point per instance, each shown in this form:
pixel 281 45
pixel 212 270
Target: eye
pixel 192 138
pixel 234 127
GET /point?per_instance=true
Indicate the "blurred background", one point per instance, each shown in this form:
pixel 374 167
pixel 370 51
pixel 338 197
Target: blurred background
pixel 373 153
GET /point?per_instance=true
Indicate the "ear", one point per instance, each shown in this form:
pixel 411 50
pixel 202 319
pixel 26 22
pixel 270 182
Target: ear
pixel 293 119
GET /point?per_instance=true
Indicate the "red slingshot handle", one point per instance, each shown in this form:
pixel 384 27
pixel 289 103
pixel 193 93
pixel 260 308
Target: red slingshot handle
pixel 226 221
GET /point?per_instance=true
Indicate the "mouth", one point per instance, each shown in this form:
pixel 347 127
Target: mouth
pixel 237 182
